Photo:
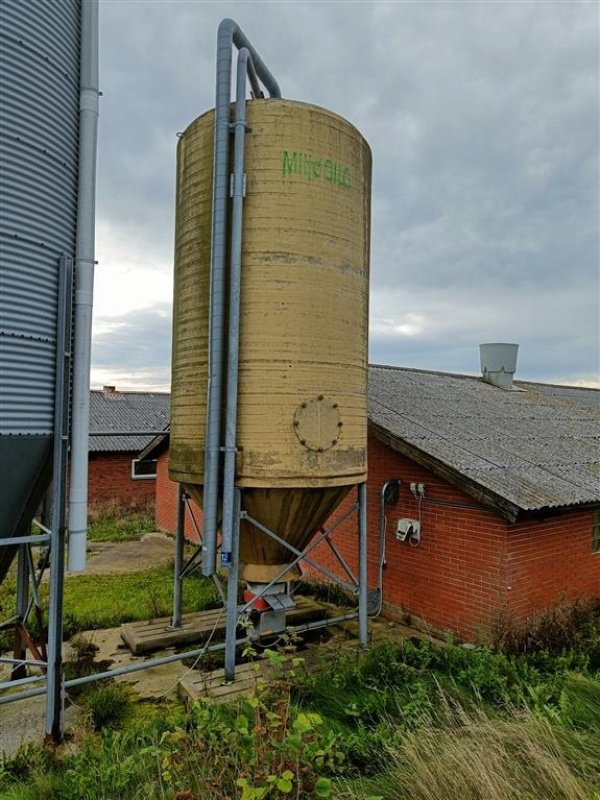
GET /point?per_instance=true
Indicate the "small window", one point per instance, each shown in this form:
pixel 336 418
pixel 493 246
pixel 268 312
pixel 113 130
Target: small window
pixel 596 532
pixel 143 469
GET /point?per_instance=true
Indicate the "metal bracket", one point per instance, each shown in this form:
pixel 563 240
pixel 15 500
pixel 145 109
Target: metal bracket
pixel 237 185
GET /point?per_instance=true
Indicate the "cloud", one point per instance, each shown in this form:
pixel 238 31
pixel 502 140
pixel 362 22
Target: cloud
pixel 133 351
pixel 483 122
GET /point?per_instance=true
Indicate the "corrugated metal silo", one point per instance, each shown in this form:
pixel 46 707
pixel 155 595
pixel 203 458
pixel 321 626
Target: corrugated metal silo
pixel 39 64
pixel 302 417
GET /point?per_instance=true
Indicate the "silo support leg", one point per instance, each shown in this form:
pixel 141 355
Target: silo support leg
pixel 54 691
pixel 178 566
pixel 363 631
pixel 20 652
pixel 232 593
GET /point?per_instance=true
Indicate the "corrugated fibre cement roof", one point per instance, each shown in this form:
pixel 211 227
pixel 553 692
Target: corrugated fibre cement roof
pixel 537 446
pixel 121 412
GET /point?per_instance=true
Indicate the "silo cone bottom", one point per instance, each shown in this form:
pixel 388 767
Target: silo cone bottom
pixel 294 514
pixel 265 573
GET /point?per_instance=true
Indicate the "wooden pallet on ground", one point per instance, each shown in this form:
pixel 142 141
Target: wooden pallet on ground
pixel 157 634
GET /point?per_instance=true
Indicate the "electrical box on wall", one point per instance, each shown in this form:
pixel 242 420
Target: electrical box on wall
pixel 407 528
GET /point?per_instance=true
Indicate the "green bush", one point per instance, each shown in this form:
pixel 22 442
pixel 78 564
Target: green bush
pixel 108 705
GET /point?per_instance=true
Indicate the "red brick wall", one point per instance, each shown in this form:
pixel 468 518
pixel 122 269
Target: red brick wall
pixel 455 578
pixel 471 564
pixel 109 479
pixel 166 502
pixel 551 559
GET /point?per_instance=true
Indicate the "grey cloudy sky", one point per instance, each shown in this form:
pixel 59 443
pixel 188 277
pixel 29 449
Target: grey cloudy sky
pixel 483 122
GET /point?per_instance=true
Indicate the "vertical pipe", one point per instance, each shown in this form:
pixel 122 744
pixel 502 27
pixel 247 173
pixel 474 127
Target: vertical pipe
pixel 217 302
pixel 234 306
pixel 54 697
pixel 84 283
pixel 21 609
pixel 232 589
pixel 228 34
pixel 178 566
pixel 363 632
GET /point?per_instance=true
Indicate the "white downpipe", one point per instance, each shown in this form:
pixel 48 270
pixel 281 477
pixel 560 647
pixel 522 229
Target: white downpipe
pixel 84 285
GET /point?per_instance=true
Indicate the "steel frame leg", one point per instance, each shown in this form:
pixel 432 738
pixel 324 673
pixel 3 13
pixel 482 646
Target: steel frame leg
pixel 363 629
pixel 178 567
pixel 232 592
pixel 54 694
pixel 20 651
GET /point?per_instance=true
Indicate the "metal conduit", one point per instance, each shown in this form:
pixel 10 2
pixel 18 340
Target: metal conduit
pixel 229 33
pixel 84 284
pixel 239 191
pixel 98 676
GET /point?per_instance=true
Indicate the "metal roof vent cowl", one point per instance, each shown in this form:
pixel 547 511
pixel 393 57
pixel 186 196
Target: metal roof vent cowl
pixel 498 363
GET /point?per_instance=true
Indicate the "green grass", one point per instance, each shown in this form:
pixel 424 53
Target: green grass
pixel 106 601
pixel 110 523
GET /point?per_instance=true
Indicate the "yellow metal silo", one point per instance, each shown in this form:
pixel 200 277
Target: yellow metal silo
pixel 302 397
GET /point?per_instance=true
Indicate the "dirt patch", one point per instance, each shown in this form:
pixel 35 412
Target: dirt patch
pixel 115 558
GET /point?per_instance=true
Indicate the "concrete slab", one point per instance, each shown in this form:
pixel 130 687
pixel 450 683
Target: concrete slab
pixel 24 723
pixel 114 558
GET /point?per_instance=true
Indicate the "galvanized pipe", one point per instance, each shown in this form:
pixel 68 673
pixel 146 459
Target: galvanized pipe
pixel 231 604
pixel 21 609
pixel 324 623
pixel 363 630
pixel 341 561
pixel 28 662
pixel 115 673
pixel 25 540
pixel 382 531
pixel 300 555
pixel 54 698
pixel 229 33
pixel 21 681
pixel 84 283
pixel 178 566
pixel 235 270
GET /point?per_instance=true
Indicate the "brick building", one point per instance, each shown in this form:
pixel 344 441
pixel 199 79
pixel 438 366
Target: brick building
pixel 509 511
pixel 116 474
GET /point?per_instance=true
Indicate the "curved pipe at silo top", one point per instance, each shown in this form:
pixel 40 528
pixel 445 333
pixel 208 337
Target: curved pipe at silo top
pixel 228 34
pixel 39 138
pixel 302 378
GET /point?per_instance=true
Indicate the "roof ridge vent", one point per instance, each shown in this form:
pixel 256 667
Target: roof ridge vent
pixel 498 363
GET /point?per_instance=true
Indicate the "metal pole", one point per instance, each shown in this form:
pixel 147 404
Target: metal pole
pixel 84 294
pixel 177 569
pixel 22 603
pixel 29 540
pixel 232 589
pixel 235 279
pixel 363 632
pixel 54 699
pixel 115 673
pixel 229 33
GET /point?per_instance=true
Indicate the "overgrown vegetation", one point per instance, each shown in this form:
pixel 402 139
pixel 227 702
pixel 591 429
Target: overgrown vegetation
pixel 561 628
pixel 407 720
pixel 110 522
